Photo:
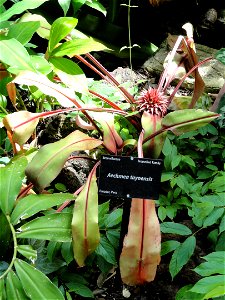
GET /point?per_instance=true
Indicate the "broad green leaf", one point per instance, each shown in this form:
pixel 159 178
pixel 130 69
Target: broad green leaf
pixel 32 204
pixel 175 228
pixel 216 292
pixel 213 217
pixel 106 250
pixel 97 5
pixel 20 7
pixel 169 246
pixel 210 268
pixel 80 289
pixel 41 64
pixel 217 256
pixel 44 29
pixel 67 252
pixel 14 289
pixel 114 218
pixel 23 31
pixel 182 255
pixel 28 252
pixel 65 4
pixel 70 74
pixel 167 176
pixel 78 47
pixel 22 133
pixel 15 55
pixel 35 283
pixel 181 121
pixel 5 235
pixel 217 185
pixel 185 294
pixel 54 227
pixel 65 96
pixel 2 289
pixel 208 284
pixel 49 160
pixel 77 5
pixel 222 224
pixel 103 209
pixel 59 30
pixel 113 236
pixel 85 229
pixel 2 2
pixel 11 182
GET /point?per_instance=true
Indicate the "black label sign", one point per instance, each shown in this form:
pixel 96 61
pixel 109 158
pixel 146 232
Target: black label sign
pixel 130 177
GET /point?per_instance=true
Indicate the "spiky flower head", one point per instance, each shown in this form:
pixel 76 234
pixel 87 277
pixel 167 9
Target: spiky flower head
pixel 153 101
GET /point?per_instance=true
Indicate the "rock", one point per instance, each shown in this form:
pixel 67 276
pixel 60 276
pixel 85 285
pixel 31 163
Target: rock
pixel 212 72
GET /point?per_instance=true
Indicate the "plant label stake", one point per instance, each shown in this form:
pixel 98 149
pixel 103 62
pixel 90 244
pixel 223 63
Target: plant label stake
pixel 130 177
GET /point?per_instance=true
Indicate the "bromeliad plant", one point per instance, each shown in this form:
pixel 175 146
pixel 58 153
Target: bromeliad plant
pixel 151 121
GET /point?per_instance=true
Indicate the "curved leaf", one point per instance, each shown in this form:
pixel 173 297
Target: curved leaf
pixel 35 283
pixel 14 289
pixel 78 47
pixel 181 121
pixel 59 30
pixel 23 31
pixel 15 55
pixel 64 96
pixel 175 228
pixel 85 229
pixel 23 132
pixel 54 227
pixel 32 204
pixel 28 252
pixel 141 247
pixel 20 7
pixel 49 160
pixel 11 182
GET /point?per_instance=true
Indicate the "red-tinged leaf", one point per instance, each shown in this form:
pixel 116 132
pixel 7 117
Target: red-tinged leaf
pixel 82 124
pixel 11 89
pixel 49 160
pixel 111 138
pixel 141 248
pixel 85 228
pixel 181 121
pixel 151 124
pixel 64 96
pixel 21 134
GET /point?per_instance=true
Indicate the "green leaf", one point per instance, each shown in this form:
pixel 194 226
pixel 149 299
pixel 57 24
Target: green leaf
pixel 11 182
pixel 14 54
pixel 59 30
pixel 210 268
pixel 175 228
pixel 28 252
pixel 70 74
pixel 2 289
pixel 35 283
pixel 113 236
pixel 167 176
pixel 80 289
pixel 169 246
pixel 182 255
pixel 14 289
pixel 181 121
pixel 97 5
pixel 103 209
pixel 78 47
pixel 65 4
pixel 67 252
pixel 213 217
pixel 185 294
pixel 23 31
pixel 77 5
pixel 20 7
pixel 54 227
pixel 220 55
pixel 114 218
pixel 208 284
pixel 50 159
pixel 217 184
pixel 41 64
pixel 106 250
pixel 222 225
pixel 32 204
pixel 162 213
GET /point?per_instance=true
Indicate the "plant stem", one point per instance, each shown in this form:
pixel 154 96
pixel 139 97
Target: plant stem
pixel 15 248
pixel 3 109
